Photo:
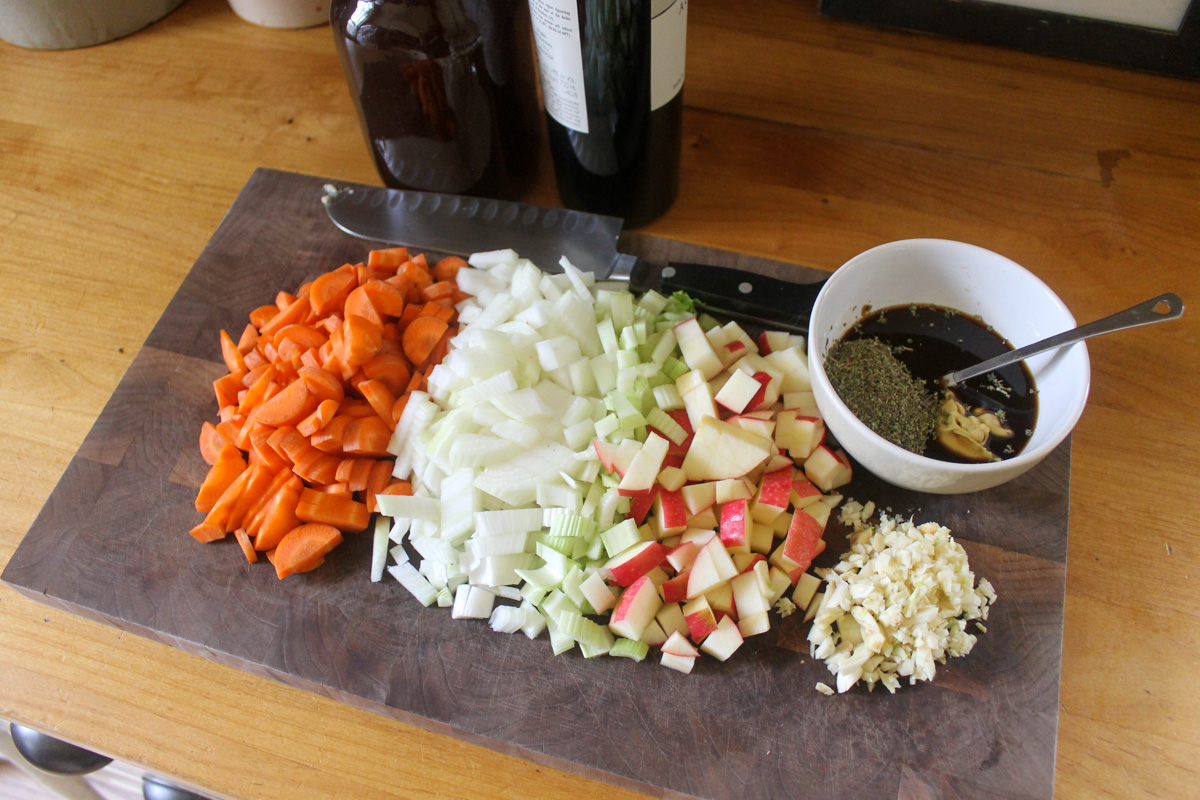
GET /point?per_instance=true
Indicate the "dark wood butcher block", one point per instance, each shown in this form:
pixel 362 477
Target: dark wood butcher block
pixel 111 544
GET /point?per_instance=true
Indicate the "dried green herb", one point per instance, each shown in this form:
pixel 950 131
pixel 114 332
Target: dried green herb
pixel 881 392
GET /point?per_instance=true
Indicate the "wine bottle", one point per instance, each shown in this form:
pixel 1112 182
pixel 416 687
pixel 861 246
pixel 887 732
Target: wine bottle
pixel 612 85
pixel 444 90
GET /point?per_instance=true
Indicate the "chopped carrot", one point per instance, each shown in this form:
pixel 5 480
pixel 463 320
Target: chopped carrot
pixel 234 361
pixel 226 467
pixel 442 290
pixel 329 439
pixel 292 404
pixel 279 515
pixel 367 436
pixel 421 336
pixel 243 539
pixel 386 298
pixel 296 311
pixel 323 383
pixel 358 303
pixel 447 268
pixel 380 397
pixel 248 339
pixel 390 369
pixel 207 532
pixel 328 292
pixel 226 389
pixel 319 418
pixel 361 339
pixel 390 258
pixel 340 511
pixel 304 548
pixel 398 407
pixel 211 443
pixel 262 315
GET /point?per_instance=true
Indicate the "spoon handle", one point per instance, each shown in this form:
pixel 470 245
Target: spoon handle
pixel 1145 313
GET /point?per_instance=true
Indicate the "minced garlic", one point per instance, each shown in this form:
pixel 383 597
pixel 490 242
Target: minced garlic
pixel 897 604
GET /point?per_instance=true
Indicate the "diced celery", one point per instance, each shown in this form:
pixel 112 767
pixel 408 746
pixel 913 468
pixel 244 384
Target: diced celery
pixel 414 582
pixel 620 536
pixel 629 648
pixel 622 310
pixel 608 335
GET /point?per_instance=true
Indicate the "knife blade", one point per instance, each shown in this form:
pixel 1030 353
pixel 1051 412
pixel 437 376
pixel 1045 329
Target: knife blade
pixel 458 225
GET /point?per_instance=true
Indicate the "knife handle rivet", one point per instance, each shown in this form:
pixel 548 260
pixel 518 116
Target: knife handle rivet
pixel 745 287
pixel 668 272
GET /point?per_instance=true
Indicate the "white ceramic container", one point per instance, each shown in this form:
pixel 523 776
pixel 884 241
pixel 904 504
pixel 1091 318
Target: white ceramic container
pixel 67 24
pixel 971 279
pixel 282 13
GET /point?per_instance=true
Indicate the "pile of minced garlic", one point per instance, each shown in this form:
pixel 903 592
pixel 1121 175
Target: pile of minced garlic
pixel 897 604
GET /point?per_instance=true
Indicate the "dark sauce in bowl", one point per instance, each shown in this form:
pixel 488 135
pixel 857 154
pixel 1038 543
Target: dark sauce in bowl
pixel 932 341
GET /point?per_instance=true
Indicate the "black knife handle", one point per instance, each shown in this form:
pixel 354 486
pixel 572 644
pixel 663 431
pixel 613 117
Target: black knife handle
pixel 747 296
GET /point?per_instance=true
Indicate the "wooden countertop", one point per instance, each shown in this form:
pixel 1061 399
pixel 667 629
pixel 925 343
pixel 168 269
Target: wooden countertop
pixel 805 140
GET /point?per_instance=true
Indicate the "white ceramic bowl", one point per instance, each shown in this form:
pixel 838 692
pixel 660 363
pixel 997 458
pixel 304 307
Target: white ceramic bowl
pixel 971 279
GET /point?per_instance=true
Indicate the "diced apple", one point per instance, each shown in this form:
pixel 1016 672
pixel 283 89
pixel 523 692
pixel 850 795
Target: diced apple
pixel 754 624
pixel 706 519
pixel 720 600
pixel 670 513
pixel 607 453
pixel 793 366
pixel 746 561
pixel 806 589
pixel 700 619
pixel 774 494
pixel 675 589
pixel 641 503
pixel 798 434
pixel 677 644
pixel 697 350
pixel 703 574
pixel 682 664
pixel 779 582
pixel 803 402
pixel 803 542
pixel 759 427
pixel 683 555
pixel 598 593
pixel 748 595
pixel 644 468
pixel 626 450
pixel 699 496
pixel 827 469
pixel 698 535
pixel 770 341
pixel 635 561
pixel 721 450
pixel 724 641
pixel 803 492
pixel 734 489
pixel 721 559
pixel 698 403
pixel 820 512
pixel 670 619
pixel 737 392
pixel 762 538
pixel 672 478
pixel 736 526
pixel 654 635
pixel 636 608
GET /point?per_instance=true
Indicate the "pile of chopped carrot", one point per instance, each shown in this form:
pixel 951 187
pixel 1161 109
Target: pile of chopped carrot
pixel 316 384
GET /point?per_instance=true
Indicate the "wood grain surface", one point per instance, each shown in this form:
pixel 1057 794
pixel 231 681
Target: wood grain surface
pixel 806 141
pixel 112 544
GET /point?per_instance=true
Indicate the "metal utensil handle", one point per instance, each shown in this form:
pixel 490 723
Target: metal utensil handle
pixel 1145 313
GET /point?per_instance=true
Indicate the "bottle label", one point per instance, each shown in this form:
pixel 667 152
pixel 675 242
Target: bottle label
pixel 560 56
pixel 668 48
pixel 560 61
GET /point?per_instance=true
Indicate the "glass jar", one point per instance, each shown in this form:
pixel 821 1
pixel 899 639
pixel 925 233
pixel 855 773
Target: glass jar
pixel 444 91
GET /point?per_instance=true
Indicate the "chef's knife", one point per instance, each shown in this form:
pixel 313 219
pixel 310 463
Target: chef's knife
pixel 457 225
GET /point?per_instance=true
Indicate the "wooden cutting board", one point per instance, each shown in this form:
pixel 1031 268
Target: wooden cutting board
pixel 111 544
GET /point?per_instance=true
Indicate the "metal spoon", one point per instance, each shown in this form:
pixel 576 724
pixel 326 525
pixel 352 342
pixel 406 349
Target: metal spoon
pixel 1145 313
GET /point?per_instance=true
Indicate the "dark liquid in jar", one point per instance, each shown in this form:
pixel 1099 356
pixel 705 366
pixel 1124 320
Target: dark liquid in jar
pixel 444 91
pixel 932 341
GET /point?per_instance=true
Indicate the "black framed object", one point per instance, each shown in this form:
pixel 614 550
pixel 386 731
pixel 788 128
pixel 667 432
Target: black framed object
pixel 1175 53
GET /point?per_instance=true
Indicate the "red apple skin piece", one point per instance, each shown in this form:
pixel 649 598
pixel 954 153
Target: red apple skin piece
pixel 646 556
pixel 635 594
pixel 605 452
pixel 641 503
pixel 803 541
pixel 671 511
pixel 680 416
pixel 754 558
pixel 734 521
pixel 700 619
pixel 776 488
pixel 757 400
pixel 675 589
pixel 802 489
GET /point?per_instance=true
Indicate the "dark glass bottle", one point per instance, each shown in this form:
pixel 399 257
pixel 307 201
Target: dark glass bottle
pixel 615 145
pixel 444 91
